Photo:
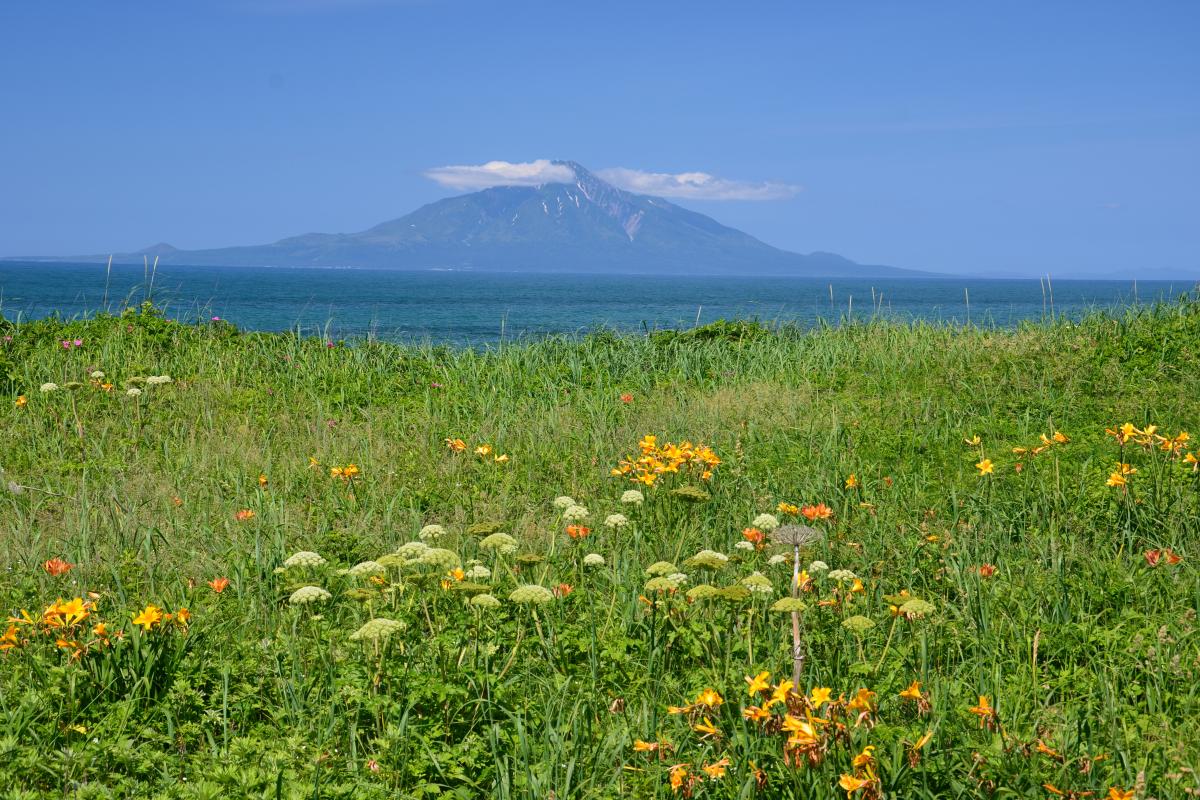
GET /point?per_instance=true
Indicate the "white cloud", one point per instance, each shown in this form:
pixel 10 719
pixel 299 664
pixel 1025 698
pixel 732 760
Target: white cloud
pixel 695 185
pixel 501 173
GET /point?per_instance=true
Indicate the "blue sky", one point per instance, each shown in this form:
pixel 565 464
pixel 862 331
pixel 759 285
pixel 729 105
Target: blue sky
pixel 963 137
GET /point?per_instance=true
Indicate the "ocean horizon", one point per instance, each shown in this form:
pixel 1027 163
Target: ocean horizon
pixel 462 307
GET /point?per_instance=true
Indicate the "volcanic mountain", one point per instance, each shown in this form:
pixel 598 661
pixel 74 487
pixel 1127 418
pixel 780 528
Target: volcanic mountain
pixel 584 226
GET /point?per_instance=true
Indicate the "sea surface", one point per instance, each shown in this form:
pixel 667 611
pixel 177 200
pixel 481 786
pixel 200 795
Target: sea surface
pixel 465 308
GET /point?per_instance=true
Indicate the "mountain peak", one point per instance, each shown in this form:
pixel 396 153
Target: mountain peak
pixel 581 172
pixel 580 225
pixel 160 249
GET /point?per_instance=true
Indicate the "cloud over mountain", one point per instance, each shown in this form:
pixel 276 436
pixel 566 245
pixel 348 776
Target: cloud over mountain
pixel 695 185
pixel 501 173
pixel 687 185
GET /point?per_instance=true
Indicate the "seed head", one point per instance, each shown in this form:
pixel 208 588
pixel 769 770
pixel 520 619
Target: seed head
pixel 531 594
pixel 377 629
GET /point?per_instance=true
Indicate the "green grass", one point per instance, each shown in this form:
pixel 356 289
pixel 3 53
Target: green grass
pixel 1076 639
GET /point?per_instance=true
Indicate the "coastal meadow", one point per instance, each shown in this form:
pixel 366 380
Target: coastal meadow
pixel 873 560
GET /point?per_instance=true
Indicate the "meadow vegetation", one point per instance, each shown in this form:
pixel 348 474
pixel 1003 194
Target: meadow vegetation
pixel 263 565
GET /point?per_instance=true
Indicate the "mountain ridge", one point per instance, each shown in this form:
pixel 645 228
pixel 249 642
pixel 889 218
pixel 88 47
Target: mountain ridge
pixel 585 226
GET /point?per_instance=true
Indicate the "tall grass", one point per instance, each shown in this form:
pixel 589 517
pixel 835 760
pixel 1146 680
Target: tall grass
pixel 1076 638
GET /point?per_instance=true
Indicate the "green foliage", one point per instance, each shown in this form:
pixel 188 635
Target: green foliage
pixel 1032 586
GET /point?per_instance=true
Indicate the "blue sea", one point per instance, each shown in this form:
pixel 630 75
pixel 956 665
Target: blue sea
pixel 465 308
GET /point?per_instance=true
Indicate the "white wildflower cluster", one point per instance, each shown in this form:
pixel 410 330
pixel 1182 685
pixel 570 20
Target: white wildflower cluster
pixel 366 569
pixel 478 572
pixel 593 560
pixel 575 513
pixel 708 558
pixel 661 568
pixel 679 578
pixel 531 594
pixel 662 583
pixel 502 543
pixel 632 497
pixel 819 566
pixel 377 629
pixel 133 391
pixel 308 594
pixel 49 387
pixel 616 521
pixel 758 583
pixel 411 551
pixel 777 559
pixel 842 576
pixel 158 380
pixel 744 545
pixel 484 600
pixel 304 558
pixel 765 522
pixel 97 374
pixel 562 502
pixel 431 533
pixel 439 557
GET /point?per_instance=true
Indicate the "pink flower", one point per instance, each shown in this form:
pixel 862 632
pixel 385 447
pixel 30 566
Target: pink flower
pixel 79 342
pixel 216 319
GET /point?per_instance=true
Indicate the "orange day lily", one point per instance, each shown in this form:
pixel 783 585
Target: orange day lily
pixel 56 566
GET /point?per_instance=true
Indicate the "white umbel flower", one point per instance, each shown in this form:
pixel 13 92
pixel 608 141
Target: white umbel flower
pixel 412 550
pixel 575 513
pixel 758 583
pixel 632 497
pixel 304 558
pixel 308 594
pixel 531 594
pixel 377 629
pixel 439 557
pixel 365 569
pixel 484 600
pixel 765 522
pixel 431 532
pixel 500 542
